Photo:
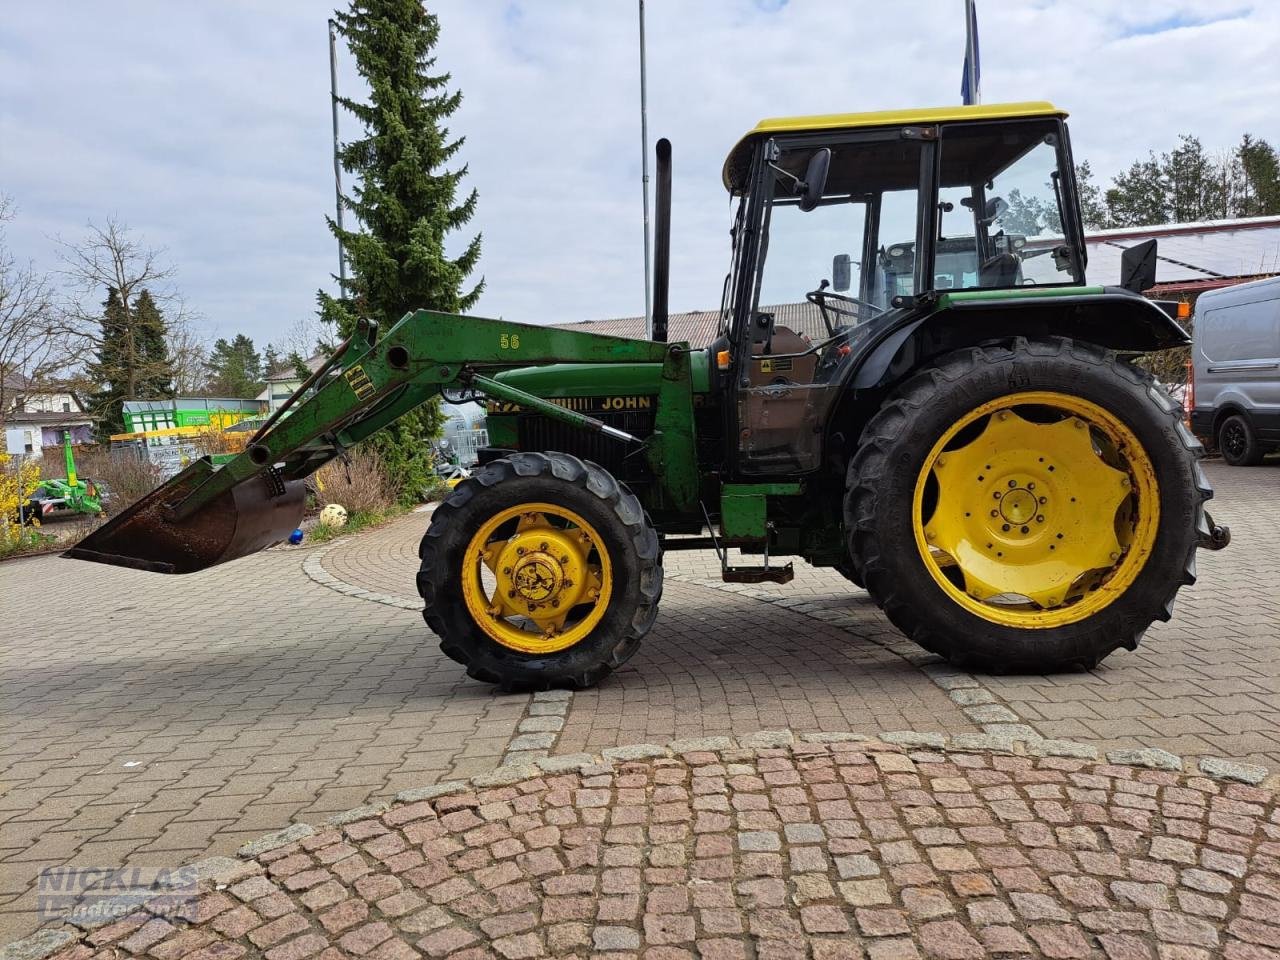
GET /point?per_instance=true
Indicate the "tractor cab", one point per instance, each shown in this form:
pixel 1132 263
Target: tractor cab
pixel 822 272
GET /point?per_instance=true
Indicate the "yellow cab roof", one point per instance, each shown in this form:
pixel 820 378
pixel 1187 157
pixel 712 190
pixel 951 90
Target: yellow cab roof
pixel 737 164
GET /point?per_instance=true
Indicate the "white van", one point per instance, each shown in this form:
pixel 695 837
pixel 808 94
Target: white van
pixel 1235 370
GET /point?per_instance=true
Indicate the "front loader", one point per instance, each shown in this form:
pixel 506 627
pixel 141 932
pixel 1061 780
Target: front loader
pixel 911 382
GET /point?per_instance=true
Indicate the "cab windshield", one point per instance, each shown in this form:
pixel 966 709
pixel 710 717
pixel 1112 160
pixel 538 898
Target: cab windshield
pixel 825 270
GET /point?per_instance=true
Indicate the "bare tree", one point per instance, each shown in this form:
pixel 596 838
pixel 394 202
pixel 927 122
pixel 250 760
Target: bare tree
pixel 188 351
pixel 33 349
pixel 110 258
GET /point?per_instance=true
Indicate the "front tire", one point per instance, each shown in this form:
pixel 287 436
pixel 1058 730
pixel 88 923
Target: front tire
pixel 1026 507
pixel 540 571
pixel 1238 442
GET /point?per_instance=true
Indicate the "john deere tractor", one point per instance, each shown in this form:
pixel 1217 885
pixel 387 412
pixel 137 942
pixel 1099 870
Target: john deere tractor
pixel 972 444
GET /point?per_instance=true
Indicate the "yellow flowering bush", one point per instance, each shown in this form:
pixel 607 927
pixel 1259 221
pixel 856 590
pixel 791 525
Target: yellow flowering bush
pixel 15 475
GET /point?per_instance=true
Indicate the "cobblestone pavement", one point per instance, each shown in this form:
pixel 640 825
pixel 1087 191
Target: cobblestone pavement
pixel 1206 683
pixel 823 850
pixel 149 720
pixel 152 720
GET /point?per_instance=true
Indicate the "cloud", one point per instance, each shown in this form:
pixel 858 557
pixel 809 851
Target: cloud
pixel 206 127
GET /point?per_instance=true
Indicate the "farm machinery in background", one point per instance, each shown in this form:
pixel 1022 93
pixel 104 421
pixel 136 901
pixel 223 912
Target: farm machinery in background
pixel 67 495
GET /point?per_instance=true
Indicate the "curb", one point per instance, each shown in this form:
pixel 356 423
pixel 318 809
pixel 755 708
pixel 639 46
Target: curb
pixel 222 871
pixel 313 567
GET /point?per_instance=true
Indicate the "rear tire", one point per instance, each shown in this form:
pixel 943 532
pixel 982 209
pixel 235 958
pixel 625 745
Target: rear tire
pixel 619 529
pixel 1238 442
pixel 888 528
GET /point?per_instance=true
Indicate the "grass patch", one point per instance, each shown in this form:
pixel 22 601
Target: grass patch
pixel 25 542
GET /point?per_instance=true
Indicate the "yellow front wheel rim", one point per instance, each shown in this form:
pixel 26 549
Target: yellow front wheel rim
pixel 537 578
pixel 1036 510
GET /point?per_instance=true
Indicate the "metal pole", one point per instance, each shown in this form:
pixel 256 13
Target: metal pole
pixel 337 165
pixel 644 177
pixel 970 51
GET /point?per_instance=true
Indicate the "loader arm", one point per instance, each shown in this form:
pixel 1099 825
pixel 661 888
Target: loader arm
pixel 218 509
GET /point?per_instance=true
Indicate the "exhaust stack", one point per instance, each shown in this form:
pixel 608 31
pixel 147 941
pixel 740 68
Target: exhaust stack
pixel 662 240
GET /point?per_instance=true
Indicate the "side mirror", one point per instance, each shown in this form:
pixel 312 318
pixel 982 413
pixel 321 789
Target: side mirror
pixel 1138 267
pixel 815 179
pixel 841 272
pixel 994 208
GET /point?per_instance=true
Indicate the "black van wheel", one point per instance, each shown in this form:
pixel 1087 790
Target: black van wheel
pixel 1238 442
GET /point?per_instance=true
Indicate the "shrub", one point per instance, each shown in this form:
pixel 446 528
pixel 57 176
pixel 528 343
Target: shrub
pixel 362 484
pixel 127 476
pixel 18 478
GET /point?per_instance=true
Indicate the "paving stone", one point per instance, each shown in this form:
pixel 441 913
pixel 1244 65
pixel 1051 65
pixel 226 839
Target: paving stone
pixel 1207 693
pixel 38 945
pixel 1151 757
pixel 1250 773
pixel 615 938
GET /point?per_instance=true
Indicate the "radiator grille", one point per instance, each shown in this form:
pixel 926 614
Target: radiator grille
pixel 537 433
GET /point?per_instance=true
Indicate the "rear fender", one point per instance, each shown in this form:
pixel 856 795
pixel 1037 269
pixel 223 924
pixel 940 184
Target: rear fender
pixel 1115 319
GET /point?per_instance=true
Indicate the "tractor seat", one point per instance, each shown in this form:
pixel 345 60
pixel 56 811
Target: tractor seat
pixel 785 341
pixel 999 271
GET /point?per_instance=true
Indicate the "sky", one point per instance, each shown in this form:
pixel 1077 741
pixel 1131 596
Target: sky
pixel 206 126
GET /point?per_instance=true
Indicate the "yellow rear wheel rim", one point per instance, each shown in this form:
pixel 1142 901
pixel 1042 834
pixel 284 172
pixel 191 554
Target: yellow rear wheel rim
pixel 536 578
pixel 1036 510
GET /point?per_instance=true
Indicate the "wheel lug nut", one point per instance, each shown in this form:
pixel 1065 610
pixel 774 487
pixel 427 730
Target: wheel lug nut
pixel 506 571
pixel 1044 500
pixel 1026 529
pixel 1031 486
pixel 995 513
pixel 564 559
pixel 542 545
pixel 1004 527
pixel 1040 518
pixel 511 593
pixel 1012 484
pixel 519 551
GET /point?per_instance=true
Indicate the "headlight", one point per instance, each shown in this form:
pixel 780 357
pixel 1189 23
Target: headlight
pixel 896 251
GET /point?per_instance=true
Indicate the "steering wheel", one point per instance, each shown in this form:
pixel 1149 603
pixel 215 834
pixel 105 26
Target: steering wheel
pixel 820 297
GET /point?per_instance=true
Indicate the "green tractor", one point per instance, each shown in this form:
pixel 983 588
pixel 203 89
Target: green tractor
pixel 976 449
pixel 58 497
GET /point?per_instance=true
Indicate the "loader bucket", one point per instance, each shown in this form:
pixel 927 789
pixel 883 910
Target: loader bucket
pixel 243 520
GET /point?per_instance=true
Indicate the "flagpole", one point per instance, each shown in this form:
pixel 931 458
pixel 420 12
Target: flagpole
pixel 644 184
pixel 970 52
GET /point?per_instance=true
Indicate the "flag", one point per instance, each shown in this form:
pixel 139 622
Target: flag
pixel 971 82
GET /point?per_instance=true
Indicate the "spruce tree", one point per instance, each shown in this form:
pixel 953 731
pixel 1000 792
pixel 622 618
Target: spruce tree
pixel 131 362
pixel 1260 169
pixel 155 367
pixel 234 368
pixel 406 197
pixel 106 403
